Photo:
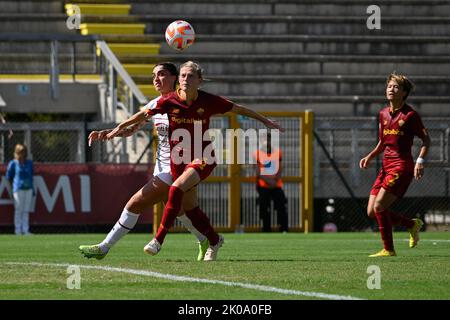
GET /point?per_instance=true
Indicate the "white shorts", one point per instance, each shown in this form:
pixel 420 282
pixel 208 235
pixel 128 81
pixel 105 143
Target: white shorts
pixel 22 200
pixel 163 173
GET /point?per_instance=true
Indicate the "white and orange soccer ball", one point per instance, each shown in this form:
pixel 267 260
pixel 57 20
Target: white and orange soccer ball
pixel 180 35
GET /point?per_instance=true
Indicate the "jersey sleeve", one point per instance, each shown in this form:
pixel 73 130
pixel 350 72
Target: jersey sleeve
pixel 417 127
pixel 380 127
pixel 155 106
pixel 151 104
pixel 221 105
pixel 32 175
pixel 10 171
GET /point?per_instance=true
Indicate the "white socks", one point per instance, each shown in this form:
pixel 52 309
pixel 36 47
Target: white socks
pixel 126 222
pixel 188 225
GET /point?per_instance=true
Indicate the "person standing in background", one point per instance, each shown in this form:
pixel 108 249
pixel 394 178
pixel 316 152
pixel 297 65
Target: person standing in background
pixel 270 186
pixel 399 123
pixel 20 174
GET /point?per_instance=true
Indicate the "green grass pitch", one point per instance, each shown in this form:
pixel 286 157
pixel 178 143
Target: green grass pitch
pixel 289 266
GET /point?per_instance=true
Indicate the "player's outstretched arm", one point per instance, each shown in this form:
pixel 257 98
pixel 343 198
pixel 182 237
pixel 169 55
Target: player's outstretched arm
pixel 138 117
pixel 101 135
pixel 364 162
pixel 131 130
pixel 243 111
pixel 419 167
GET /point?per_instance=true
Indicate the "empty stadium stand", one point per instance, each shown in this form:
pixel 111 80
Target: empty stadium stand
pixel 270 55
pixel 285 54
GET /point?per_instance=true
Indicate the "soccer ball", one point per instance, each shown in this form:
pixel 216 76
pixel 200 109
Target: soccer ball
pixel 180 35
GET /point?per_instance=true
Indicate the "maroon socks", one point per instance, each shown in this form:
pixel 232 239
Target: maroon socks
pixel 171 211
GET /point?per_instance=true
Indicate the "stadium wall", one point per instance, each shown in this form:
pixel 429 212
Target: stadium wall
pixel 78 194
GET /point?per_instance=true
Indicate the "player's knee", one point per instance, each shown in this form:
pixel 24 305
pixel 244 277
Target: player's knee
pixel 134 209
pixel 180 185
pixel 136 204
pixel 371 212
pixel 377 207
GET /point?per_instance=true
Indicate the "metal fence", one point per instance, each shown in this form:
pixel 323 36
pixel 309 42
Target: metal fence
pixel 62 142
pixel 76 56
pixel 348 140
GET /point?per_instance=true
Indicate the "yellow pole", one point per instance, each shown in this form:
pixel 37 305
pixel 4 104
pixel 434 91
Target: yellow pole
pixel 308 170
pixel 234 192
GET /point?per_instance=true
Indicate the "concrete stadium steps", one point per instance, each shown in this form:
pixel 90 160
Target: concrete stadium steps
pixel 102 1
pixel 118 29
pixel 281 85
pixel 133 38
pixel 148 90
pixel 387 8
pixel 191 8
pixel 137 68
pixel 34 23
pixel 43 6
pixel 56 23
pixel 306 44
pixel 299 44
pixel 245 7
pixel 292 7
pixel 43 47
pixel 112 28
pixel 307 64
pixel 45 78
pixel 319 85
pixel 267 54
pixel 266 25
pixel 135 48
pixel 341 105
pixel 40 63
pixel 88 8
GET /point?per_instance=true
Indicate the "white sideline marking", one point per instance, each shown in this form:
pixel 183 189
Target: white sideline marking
pixel 430 240
pixel 198 280
pixel 421 240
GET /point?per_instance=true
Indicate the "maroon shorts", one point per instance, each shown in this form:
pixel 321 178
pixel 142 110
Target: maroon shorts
pixel 394 177
pixel 203 169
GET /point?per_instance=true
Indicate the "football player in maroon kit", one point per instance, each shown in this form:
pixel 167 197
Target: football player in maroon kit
pixel 189 110
pixel 399 123
pixel 164 80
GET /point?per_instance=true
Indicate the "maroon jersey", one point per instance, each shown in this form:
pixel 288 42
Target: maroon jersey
pixel 182 116
pixel 397 131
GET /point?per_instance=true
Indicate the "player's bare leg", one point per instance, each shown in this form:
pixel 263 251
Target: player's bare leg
pixel 371 207
pixel 152 192
pixel 185 182
pixel 383 201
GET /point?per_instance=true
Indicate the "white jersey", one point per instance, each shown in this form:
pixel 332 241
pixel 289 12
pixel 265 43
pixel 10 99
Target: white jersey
pixel 161 123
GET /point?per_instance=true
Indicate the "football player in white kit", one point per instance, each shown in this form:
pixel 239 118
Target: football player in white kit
pixel 156 190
